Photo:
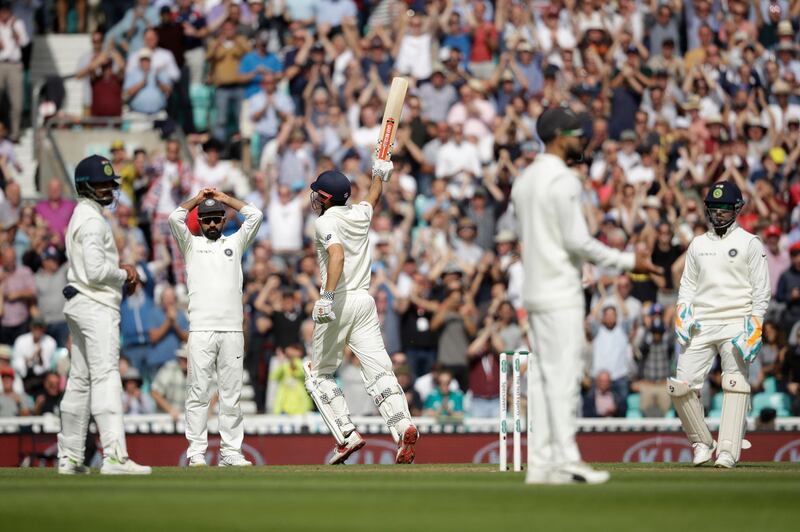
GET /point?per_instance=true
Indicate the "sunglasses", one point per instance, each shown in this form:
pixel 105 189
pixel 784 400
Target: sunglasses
pixel 212 220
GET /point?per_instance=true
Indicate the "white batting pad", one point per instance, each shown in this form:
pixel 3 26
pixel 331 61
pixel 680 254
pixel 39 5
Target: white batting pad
pixel 329 398
pixel 689 409
pixel 388 396
pixel 735 402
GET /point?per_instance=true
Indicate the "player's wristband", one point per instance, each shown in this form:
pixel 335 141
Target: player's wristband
pixel 327 295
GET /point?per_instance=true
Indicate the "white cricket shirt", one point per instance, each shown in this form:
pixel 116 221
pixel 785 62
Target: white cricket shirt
pixel 214 271
pixel 725 278
pixel 554 236
pixel 92 254
pixel 349 226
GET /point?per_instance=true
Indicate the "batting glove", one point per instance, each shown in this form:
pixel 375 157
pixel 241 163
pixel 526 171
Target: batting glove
pixel 323 309
pixel 748 343
pixel 685 324
pixel 382 169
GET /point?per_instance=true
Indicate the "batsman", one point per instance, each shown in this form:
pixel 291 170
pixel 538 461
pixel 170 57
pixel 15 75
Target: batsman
pixel 723 296
pixel 346 314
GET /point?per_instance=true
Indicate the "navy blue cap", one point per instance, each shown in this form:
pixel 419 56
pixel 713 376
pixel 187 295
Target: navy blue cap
pixel 333 184
pixel 724 192
pixel 210 207
pixel 557 121
pixel 95 169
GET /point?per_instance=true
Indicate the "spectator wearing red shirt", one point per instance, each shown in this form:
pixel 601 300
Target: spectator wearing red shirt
pixel 55 210
pixel 484 43
pixel 17 292
pixel 107 91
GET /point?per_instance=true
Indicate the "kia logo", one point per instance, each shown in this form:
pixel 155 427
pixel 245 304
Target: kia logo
pixel 490 454
pixel 374 452
pixel 789 452
pixel 659 449
pixel 212 454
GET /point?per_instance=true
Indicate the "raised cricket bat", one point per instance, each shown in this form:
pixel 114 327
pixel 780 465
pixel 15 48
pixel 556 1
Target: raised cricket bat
pixel 391 117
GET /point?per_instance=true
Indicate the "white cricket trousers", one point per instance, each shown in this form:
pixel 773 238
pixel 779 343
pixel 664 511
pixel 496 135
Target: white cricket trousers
pixel 695 361
pixel 554 373
pixel 357 326
pixel 94 384
pixel 223 352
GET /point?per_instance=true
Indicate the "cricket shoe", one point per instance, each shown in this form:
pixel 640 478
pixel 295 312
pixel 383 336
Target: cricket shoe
pixel 197 460
pixel 126 466
pixel 581 473
pixel 68 466
pixel 234 460
pixel 702 452
pixel 725 460
pixel 351 444
pixel 540 476
pixel 405 452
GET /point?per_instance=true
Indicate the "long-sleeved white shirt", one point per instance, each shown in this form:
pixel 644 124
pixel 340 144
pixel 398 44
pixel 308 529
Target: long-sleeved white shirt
pixel 11 48
pixel 555 238
pixel 214 271
pixel 92 253
pixel 725 278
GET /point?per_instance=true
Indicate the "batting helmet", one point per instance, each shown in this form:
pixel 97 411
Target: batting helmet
pixel 96 179
pixel 331 187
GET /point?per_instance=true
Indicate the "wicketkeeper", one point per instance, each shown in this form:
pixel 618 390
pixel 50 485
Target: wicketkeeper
pixel 722 300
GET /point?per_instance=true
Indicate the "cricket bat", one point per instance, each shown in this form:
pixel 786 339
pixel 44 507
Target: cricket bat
pixel 391 118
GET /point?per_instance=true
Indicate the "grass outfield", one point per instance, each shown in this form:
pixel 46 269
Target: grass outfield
pixel 753 497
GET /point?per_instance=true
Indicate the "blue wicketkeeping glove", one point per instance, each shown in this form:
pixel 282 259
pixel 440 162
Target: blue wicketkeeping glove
pixel 685 324
pixel 748 343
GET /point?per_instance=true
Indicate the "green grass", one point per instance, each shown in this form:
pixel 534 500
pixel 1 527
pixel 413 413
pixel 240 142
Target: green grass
pixel 753 497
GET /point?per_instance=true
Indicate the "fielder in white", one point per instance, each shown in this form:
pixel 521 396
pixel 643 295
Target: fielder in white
pixel 722 300
pixel 216 341
pixel 555 242
pixel 96 281
pixel 345 314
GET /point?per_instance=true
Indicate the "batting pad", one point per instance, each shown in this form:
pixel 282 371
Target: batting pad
pixel 388 396
pixel 689 409
pixel 330 402
pixel 735 401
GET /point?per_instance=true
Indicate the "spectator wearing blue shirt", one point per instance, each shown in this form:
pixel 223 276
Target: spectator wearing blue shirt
pixel 444 402
pixel 136 313
pixel 147 90
pixel 334 12
pixel 128 33
pixel 257 63
pixel 168 328
pixel 269 110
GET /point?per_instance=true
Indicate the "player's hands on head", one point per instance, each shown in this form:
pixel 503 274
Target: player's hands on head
pixel 643 263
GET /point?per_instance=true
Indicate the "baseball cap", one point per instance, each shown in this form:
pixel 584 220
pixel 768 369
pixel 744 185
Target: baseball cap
pixel 6 372
pixel 145 53
pixel 210 207
pixel 557 121
pixel 772 230
pixel 51 252
pixel 5 351
pixel 506 236
pixel 117 145
pixel 795 248
pixel 38 322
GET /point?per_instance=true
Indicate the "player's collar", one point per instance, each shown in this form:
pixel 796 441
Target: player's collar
pixel 731 228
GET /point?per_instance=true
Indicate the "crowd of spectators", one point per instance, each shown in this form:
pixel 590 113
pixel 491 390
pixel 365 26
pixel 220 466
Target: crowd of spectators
pixel 674 95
